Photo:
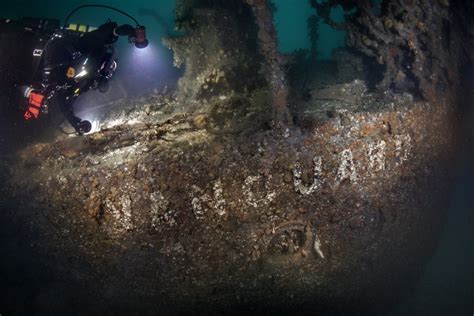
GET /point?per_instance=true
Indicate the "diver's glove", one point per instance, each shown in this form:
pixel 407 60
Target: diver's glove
pixel 83 127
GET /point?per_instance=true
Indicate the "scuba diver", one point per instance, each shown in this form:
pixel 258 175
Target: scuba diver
pixel 74 60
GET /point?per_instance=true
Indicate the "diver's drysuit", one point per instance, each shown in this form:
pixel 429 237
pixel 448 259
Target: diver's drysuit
pixel 60 57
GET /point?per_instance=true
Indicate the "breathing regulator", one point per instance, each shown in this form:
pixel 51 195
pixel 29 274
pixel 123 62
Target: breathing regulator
pixel 139 40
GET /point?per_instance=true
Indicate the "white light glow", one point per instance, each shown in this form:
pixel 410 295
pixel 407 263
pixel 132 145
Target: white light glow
pixel 95 127
pixel 144 56
pixel 81 74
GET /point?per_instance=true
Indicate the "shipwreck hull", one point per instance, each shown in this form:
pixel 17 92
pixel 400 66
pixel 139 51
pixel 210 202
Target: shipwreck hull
pixel 338 213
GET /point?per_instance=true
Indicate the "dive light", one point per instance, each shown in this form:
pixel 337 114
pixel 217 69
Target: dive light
pixel 140 31
pixel 140 37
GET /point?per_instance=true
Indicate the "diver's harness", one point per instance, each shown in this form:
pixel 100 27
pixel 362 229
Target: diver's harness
pixel 39 97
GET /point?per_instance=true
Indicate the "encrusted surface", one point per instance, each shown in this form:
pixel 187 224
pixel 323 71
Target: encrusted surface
pixel 333 210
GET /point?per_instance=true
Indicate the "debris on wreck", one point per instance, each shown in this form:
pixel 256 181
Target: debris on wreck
pixel 216 50
pixel 275 62
pixel 418 42
pixel 362 188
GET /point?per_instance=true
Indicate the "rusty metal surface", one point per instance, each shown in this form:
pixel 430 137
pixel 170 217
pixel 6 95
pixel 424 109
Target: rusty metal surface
pixel 339 209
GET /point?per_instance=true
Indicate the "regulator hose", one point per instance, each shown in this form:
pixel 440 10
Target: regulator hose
pixel 99 6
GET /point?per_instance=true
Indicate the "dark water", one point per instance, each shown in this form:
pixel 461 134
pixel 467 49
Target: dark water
pixel 447 284
pixel 29 284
